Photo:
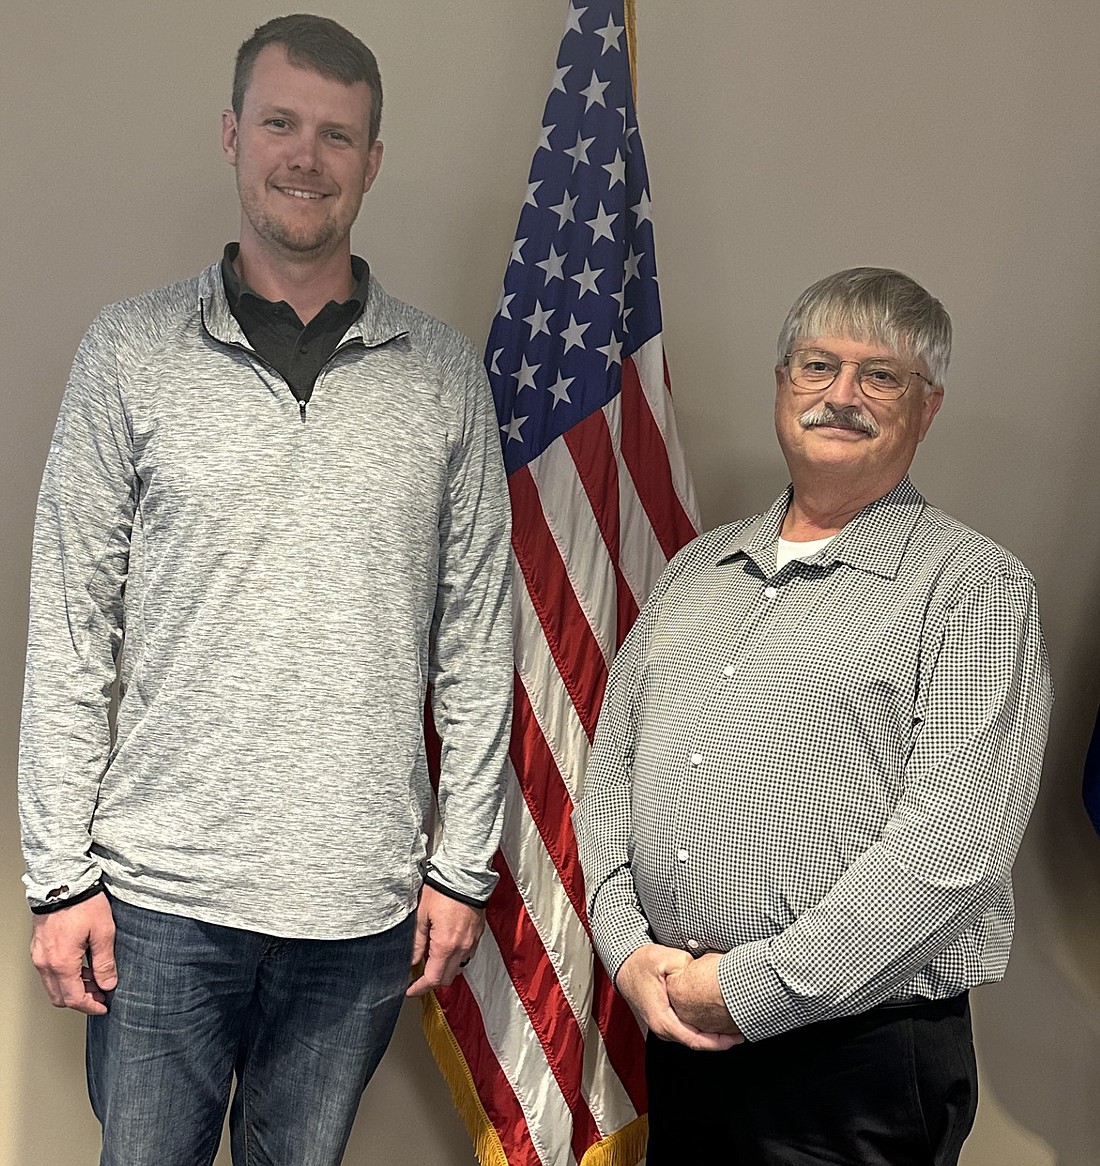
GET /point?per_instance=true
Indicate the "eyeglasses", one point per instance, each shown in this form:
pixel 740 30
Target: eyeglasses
pixel 812 369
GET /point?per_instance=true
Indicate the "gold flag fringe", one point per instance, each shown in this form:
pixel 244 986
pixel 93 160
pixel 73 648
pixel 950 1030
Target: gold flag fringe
pixel 452 1064
pixel 631 46
pixel 625 1147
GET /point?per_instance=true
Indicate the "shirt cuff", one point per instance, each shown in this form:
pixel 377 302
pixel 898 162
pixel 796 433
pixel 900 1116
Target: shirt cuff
pixel 461 881
pixel 617 935
pixel 436 885
pixel 757 999
pixel 764 1003
pixel 59 903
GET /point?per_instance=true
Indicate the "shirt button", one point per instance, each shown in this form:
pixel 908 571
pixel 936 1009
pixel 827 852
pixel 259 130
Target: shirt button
pixel 696 759
pixel 770 592
pixel 693 944
pixel 729 670
pixel 682 855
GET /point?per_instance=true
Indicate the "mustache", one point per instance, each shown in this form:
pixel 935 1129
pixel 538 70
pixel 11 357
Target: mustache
pixel 849 417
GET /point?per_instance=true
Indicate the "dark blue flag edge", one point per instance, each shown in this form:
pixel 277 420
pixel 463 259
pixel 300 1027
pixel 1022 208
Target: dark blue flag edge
pixel 1091 785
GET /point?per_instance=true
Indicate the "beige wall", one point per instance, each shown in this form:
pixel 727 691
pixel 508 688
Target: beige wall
pixel 956 139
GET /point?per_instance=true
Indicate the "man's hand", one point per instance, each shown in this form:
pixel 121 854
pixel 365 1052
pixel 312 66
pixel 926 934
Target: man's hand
pixel 447 932
pixel 58 947
pixel 695 995
pixel 646 978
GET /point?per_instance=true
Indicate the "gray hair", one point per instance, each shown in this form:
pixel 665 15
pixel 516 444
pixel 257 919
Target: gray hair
pixel 874 304
pixel 317 43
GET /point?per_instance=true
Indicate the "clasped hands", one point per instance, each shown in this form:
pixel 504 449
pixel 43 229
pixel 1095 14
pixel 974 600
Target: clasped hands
pixel 678 997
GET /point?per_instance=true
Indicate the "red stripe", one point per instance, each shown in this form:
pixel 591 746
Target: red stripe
pixel 621 1037
pixel 547 797
pixel 544 999
pixel 647 458
pixel 576 653
pixel 551 809
pixel 594 456
pixel 498 1098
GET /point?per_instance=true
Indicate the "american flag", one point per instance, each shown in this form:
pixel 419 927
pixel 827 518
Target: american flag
pixel 544 1058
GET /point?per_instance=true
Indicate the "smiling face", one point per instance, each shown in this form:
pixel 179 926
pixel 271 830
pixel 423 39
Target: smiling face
pixel 841 433
pixel 303 158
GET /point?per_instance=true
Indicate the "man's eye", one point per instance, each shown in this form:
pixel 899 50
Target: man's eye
pixel 278 123
pixel 818 368
pixel 882 378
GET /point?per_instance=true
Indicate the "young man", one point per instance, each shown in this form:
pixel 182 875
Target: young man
pixel 277 492
pixel 815 761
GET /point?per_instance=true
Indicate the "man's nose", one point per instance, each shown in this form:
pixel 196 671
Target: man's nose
pixel 305 154
pixel 845 389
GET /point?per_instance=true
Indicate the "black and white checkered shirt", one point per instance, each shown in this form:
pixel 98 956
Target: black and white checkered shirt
pixel 823 771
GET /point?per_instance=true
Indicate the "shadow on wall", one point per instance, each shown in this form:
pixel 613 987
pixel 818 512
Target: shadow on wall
pixel 1041 1055
pixel 1040 1030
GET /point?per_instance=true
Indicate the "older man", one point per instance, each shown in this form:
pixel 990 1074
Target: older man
pixel 278 491
pixel 817 754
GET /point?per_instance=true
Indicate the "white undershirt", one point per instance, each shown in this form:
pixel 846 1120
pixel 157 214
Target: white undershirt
pixel 786 550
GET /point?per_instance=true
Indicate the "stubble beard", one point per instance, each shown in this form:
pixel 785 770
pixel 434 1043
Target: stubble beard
pixel 273 229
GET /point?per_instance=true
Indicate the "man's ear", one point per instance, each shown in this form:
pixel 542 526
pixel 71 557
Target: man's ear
pixel 932 402
pixel 229 136
pixel 374 164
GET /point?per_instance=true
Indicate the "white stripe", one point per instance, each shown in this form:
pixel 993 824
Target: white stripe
pixel 508 1030
pixel 602 1087
pixel 641 558
pixel 507 1025
pixel 649 361
pixel 569 950
pixel 559 927
pixel 573 525
pixel 550 700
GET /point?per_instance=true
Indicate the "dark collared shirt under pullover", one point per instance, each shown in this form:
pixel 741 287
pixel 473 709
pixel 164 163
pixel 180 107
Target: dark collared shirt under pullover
pixel 296 351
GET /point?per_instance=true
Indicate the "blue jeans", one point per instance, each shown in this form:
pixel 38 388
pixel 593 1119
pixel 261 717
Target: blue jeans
pixel 301 1023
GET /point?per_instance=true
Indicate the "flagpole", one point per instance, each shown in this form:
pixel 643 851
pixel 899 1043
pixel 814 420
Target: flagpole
pixel 631 47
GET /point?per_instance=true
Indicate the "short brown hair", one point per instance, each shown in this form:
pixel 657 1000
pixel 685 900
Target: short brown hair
pixel 317 43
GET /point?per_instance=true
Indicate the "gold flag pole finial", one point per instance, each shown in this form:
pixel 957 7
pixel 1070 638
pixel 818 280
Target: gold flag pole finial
pixel 631 46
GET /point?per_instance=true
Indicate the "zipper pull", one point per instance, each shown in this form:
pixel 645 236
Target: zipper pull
pixel 302 411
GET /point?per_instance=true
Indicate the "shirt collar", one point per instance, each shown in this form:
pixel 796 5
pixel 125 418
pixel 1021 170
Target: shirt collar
pixel 379 322
pixel 874 540
pixel 235 287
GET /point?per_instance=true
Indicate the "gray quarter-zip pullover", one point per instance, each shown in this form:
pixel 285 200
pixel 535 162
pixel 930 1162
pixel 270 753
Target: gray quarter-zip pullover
pixel 283 583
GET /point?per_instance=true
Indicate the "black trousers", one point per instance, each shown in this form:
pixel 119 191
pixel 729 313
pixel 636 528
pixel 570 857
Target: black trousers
pixel 896 1086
